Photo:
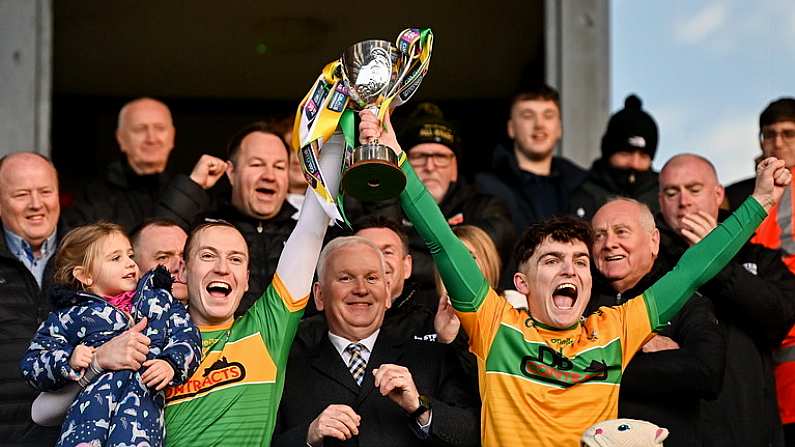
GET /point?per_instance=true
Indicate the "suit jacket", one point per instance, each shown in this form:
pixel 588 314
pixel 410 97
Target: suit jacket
pixel 317 377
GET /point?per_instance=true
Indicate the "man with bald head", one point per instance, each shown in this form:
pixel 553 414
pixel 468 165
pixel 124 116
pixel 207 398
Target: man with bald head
pixel 29 211
pixel 680 364
pixel 754 299
pixel 129 188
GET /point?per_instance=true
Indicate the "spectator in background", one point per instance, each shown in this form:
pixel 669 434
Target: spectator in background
pixel 628 147
pixel 128 191
pixel 528 177
pixel 162 242
pixel 364 382
pixel 433 149
pixel 297 182
pixel 29 211
pixel 485 253
pixel 754 299
pixel 777 138
pixel 684 361
pixel 257 165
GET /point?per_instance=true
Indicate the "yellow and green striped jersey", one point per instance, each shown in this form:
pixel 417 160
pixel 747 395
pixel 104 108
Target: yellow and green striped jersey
pixel 233 397
pixel 552 383
pixel 544 386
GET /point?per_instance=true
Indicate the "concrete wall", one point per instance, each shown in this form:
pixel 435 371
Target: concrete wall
pixel 25 75
pixel 578 65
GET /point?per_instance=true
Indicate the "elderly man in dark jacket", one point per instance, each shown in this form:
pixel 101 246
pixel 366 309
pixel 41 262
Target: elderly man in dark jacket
pixel 257 166
pixel 754 298
pixel 433 150
pixel 665 382
pixel 29 211
pixel 128 190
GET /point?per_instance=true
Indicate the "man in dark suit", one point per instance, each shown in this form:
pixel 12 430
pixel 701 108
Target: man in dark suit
pixel 367 386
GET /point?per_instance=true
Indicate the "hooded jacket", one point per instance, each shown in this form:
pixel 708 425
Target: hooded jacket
pixel 115 401
pixel 605 181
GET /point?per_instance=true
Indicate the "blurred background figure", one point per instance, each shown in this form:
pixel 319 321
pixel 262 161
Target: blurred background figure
pixel 126 192
pixel 624 169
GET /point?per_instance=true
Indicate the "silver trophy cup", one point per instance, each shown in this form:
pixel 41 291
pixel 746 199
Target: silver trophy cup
pixel 372 71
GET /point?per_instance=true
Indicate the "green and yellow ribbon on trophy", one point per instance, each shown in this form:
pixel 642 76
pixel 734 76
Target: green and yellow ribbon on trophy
pixel 374 75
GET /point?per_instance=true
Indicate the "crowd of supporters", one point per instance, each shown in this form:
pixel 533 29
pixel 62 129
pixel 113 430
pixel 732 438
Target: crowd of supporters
pixel 520 308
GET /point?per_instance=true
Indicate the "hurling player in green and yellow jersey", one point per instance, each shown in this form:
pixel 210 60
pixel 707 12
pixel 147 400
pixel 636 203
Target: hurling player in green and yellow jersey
pixel 547 374
pixel 233 397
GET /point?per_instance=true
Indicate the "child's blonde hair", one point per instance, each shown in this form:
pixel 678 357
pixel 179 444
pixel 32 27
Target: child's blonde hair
pixel 80 248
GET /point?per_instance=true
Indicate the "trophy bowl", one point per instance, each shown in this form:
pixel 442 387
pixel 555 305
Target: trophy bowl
pixel 371 70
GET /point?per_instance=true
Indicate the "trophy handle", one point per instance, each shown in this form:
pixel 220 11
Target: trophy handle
pixel 374 110
pixel 399 81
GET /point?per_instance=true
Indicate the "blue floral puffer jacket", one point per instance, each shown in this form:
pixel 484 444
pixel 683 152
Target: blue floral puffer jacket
pixel 116 408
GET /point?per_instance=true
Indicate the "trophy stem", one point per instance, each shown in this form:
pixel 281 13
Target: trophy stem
pixel 374 174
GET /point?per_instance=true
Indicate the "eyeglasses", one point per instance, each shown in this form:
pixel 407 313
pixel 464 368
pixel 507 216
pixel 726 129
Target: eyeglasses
pixel 439 160
pixel 770 135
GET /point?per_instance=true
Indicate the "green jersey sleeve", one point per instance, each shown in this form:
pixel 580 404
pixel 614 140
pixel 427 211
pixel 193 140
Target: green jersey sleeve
pixel 461 276
pixel 701 262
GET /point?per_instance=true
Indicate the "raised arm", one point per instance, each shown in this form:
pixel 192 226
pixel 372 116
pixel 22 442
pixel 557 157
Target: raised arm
pixel 187 197
pixel 297 263
pixel 704 260
pixel 465 283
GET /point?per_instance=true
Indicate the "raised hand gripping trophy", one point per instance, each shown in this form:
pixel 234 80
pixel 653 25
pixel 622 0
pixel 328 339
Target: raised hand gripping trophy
pixel 372 74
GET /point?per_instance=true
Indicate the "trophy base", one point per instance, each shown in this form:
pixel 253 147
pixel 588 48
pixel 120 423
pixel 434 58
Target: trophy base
pixel 374 174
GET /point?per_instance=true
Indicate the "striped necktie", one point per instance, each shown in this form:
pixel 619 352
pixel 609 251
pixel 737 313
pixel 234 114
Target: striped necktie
pixel 356 364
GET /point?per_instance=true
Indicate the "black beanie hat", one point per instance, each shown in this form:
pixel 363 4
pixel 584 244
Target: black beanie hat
pixel 630 129
pixel 782 109
pixel 426 124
